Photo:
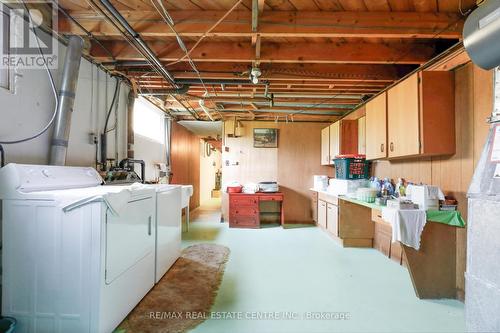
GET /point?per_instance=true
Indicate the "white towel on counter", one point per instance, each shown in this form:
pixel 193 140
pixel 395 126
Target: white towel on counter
pixel 407 225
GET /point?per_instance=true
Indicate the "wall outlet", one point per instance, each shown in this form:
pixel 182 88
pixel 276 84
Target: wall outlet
pixel 93 139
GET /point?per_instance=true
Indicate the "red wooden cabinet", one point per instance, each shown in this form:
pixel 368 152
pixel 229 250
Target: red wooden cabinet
pixel 244 209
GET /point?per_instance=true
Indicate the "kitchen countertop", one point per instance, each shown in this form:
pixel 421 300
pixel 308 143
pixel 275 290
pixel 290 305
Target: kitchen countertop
pixel 452 218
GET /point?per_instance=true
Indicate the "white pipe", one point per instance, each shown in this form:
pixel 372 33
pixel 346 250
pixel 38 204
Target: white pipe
pixel 202 105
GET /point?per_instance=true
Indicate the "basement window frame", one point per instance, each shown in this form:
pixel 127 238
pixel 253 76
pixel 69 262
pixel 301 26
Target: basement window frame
pixel 6 74
pixel 145 125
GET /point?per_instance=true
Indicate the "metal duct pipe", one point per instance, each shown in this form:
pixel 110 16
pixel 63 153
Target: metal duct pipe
pixel 168 145
pixel 282 95
pixel 165 92
pixel 130 124
pixel 62 124
pixel 221 81
pixel 482 33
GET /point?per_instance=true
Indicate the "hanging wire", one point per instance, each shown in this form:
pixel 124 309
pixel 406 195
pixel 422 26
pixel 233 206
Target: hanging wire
pixel 169 21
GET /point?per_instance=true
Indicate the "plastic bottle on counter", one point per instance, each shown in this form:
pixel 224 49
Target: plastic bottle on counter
pixel 400 188
pixel 387 187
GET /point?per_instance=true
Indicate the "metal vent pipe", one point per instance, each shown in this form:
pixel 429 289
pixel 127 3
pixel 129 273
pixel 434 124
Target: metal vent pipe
pixel 62 124
pixel 482 34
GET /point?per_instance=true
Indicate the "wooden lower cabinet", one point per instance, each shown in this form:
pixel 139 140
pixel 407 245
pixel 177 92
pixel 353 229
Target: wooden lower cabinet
pixel 382 238
pixel 332 218
pixel 349 224
pixel 322 218
pixel 397 253
pixel 355 227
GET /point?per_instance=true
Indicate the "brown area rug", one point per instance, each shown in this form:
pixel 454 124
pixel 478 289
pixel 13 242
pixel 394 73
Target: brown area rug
pixel 183 297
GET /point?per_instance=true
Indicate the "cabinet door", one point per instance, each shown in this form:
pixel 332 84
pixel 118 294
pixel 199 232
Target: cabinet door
pixel 322 213
pixel 376 128
pixel 348 137
pixel 325 146
pixel 334 140
pixel 403 118
pixel 396 253
pixel 362 136
pixel 382 238
pixel 332 218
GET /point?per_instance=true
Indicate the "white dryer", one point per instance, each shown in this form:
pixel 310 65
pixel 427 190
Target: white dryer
pixel 168 227
pixel 77 256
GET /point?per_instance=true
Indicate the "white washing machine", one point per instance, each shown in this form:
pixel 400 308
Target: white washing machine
pixel 77 256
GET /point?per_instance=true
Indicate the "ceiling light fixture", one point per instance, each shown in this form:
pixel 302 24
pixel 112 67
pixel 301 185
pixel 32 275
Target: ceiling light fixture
pixel 255 73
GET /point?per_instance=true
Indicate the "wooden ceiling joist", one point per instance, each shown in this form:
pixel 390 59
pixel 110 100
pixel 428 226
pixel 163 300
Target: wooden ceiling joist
pixel 278 24
pixel 273 83
pixel 341 53
pixel 276 71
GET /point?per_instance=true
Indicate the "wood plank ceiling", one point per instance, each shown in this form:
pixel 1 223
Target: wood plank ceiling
pixel 318 58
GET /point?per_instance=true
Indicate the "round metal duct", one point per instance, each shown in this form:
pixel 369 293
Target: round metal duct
pixel 482 35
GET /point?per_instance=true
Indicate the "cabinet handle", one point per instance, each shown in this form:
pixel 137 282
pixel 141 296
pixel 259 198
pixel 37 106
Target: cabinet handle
pixel 392 146
pixel 382 147
pixel 149 226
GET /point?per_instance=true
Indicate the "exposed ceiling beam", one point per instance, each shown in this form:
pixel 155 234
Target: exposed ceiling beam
pixel 275 71
pixel 341 53
pixel 277 100
pixel 278 24
pixel 273 79
pixel 295 83
pixel 282 72
pixel 260 5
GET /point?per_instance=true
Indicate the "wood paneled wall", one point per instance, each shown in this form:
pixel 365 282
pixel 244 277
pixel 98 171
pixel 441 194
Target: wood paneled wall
pixel 186 161
pixel 292 164
pixel 473 104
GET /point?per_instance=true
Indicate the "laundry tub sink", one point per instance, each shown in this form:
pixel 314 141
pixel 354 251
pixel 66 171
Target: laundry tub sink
pixel 187 192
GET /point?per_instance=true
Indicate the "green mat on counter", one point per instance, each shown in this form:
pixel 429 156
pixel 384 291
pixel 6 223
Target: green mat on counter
pixel 453 218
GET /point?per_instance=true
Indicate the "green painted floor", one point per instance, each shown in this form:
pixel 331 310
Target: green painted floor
pixel 300 271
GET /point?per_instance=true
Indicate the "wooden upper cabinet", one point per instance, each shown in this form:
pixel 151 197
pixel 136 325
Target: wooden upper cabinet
pixel 376 127
pixel 339 138
pixel 403 118
pixel 348 137
pixel 343 137
pixel 421 115
pixel 437 113
pixel 334 139
pixel 325 146
pixel 362 136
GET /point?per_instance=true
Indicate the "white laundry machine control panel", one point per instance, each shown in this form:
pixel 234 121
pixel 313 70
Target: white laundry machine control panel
pixel 30 178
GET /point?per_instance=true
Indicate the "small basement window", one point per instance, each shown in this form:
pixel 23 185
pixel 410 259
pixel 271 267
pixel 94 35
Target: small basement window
pixel 4 41
pixel 149 121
